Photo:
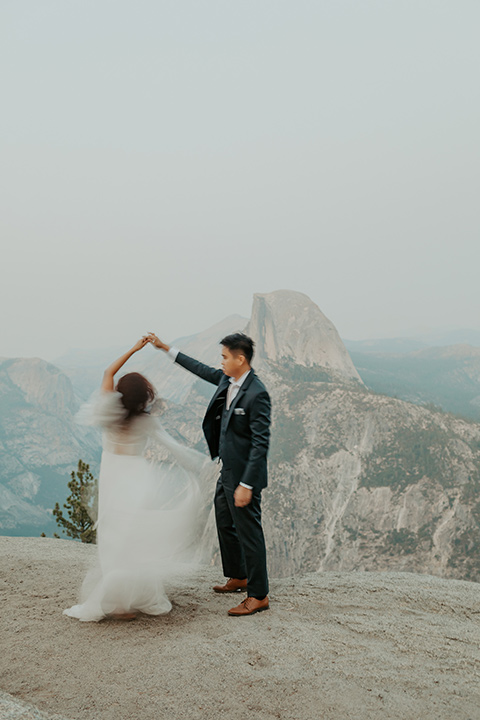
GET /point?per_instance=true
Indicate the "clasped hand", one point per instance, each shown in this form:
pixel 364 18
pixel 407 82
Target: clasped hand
pixel 141 343
pixel 156 342
pixel 149 338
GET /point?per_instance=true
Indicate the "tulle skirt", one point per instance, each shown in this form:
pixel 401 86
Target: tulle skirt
pixel 147 528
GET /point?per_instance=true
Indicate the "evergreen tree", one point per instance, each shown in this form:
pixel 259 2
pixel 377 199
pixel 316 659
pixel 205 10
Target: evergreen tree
pixel 81 506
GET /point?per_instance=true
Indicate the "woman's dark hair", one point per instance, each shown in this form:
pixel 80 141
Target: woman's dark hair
pixel 136 393
pixel 239 343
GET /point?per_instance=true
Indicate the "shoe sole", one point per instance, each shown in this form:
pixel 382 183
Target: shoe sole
pixel 250 613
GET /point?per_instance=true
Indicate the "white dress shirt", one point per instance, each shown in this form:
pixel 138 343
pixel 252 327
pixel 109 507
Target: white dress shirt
pixel 173 352
pixel 232 393
pixel 235 386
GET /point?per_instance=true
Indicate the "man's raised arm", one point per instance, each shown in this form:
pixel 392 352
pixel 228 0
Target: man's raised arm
pixel 211 375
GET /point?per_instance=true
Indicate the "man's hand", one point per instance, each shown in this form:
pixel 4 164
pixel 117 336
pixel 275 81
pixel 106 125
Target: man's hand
pixel 156 342
pixel 242 496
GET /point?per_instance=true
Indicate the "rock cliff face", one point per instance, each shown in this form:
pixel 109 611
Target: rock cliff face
pixel 39 443
pixel 358 481
pixel 365 482
pixel 288 327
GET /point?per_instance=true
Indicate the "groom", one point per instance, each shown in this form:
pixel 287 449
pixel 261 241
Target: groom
pixel 237 430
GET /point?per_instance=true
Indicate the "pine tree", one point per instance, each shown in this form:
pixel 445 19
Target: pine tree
pixel 80 505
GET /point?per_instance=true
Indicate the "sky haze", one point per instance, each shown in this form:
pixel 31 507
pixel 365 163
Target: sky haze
pixel 163 161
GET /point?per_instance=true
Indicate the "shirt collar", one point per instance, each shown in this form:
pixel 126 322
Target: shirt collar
pixel 241 379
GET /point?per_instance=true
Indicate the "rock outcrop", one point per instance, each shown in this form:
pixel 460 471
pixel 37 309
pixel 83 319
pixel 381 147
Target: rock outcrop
pixel 288 327
pixel 339 646
pixel 365 482
pixel 357 480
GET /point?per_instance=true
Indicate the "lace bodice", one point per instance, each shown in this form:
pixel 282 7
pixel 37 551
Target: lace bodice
pixel 106 410
pixel 129 439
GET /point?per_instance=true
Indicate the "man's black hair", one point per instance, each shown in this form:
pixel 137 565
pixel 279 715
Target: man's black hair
pixel 239 343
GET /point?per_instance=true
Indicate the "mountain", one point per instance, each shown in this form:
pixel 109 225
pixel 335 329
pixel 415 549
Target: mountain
pixel 366 482
pixel 358 480
pixel 404 345
pixel 384 346
pixel 40 443
pixel 289 328
pixel 448 377
pixel 459 336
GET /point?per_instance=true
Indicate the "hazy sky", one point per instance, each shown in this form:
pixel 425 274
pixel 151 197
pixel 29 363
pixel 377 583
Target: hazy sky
pixel 162 161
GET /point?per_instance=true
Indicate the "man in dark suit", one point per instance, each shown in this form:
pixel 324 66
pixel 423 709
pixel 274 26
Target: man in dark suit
pixel 237 430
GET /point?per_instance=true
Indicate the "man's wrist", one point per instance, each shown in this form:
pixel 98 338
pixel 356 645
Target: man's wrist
pixel 247 487
pixel 172 352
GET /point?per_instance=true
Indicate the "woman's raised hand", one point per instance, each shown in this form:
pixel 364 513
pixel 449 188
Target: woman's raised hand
pixel 141 343
pixel 108 375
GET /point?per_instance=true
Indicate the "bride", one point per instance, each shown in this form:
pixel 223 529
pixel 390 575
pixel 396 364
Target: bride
pixel 148 512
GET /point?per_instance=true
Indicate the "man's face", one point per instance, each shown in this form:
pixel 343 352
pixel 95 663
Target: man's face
pixel 231 362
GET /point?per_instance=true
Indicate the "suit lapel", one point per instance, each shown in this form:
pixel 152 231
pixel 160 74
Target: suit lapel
pixel 240 394
pixel 221 389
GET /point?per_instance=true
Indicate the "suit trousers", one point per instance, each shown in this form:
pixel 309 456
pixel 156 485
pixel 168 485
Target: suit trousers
pixel 242 543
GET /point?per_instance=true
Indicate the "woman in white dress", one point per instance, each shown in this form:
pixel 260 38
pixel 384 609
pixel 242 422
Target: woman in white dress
pixel 148 513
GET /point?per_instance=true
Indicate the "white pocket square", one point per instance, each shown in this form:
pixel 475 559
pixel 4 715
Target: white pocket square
pixel 239 411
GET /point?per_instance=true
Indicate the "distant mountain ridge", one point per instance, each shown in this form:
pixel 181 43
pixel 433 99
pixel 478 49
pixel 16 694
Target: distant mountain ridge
pixel 358 480
pixel 405 345
pixel 448 377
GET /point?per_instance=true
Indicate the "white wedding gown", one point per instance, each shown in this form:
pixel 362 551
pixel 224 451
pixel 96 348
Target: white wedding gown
pixel 149 513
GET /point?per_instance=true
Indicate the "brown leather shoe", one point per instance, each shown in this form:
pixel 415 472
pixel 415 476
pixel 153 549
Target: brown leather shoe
pixel 249 606
pixel 232 585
